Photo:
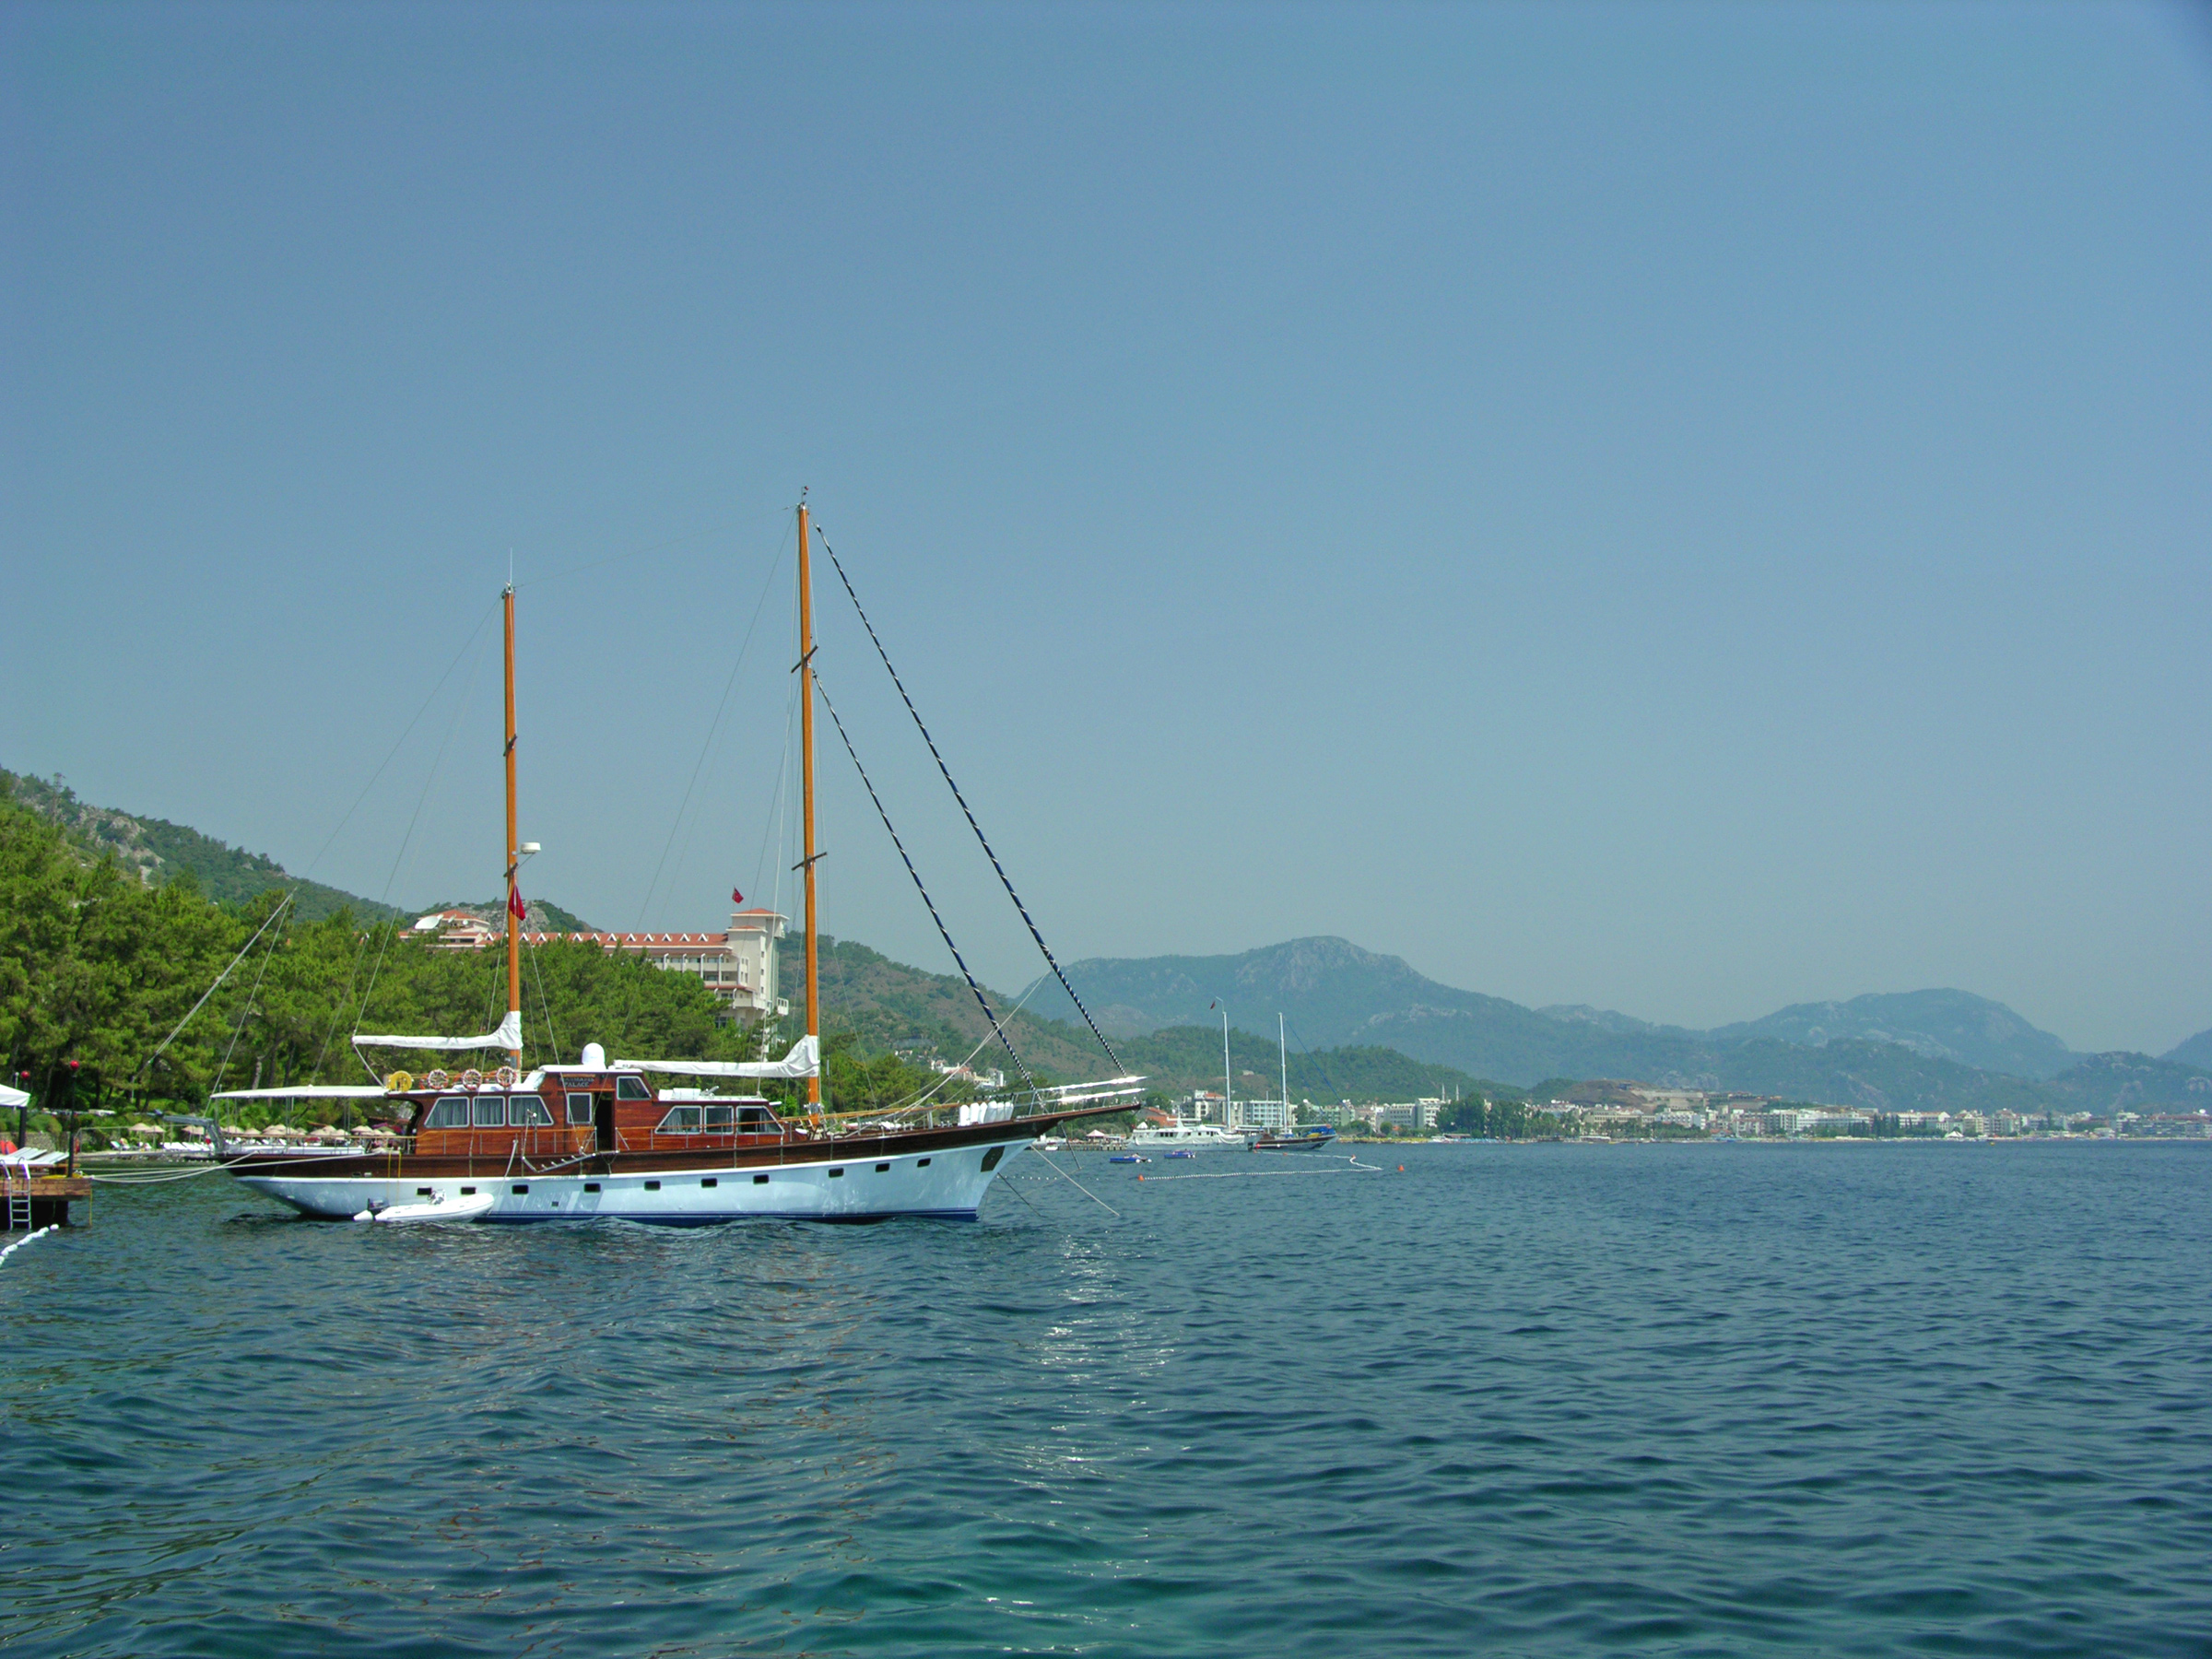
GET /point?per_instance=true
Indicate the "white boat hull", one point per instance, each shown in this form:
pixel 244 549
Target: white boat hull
pixel 944 1185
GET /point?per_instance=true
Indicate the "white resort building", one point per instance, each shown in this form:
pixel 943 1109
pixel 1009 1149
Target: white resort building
pixel 738 966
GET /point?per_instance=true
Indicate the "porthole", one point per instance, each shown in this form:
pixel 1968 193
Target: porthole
pixel 921 1163
pixel 710 1181
pixel 883 1168
pixel 759 1181
pixel 468 1192
pixel 422 1191
pixel 521 1187
pixel 590 1186
pixel 653 1186
pixel 991 1159
pixel 835 1173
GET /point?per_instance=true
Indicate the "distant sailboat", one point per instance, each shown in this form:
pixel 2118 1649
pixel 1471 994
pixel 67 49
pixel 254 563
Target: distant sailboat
pixel 1188 1134
pixel 1291 1136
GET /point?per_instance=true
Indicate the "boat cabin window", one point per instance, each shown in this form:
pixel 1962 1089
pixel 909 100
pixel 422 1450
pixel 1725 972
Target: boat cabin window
pixel 527 1111
pixel 579 1108
pixel 452 1112
pixel 630 1088
pixel 681 1120
pixel 491 1112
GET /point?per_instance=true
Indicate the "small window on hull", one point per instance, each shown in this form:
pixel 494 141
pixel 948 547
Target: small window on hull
pixel 759 1181
pixel 653 1186
pixel 991 1158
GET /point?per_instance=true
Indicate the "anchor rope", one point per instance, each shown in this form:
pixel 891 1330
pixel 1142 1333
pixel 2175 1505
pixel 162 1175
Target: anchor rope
pixel 1004 880
pixel 945 933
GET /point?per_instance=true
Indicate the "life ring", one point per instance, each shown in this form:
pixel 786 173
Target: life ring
pixel 506 1076
pixel 471 1078
pixel 436 1079
pixel 398 1083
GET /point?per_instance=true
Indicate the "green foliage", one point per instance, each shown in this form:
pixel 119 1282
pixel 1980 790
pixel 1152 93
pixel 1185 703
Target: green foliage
pixel 1502 1117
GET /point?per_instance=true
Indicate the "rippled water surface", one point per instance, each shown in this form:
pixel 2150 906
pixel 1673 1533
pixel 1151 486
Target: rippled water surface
pixel 1539 1400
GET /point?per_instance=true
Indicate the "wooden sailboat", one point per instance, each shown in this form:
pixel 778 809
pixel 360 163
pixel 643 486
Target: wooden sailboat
pixel 605 1139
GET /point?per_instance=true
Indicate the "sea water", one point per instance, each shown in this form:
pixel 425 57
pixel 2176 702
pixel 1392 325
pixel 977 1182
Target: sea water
pixel 1727 1399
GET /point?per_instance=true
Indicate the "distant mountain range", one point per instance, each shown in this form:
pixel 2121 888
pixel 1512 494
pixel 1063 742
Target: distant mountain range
pixel 1914 1047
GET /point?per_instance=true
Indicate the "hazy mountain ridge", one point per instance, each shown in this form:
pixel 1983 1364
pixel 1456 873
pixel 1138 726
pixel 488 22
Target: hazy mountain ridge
pixel 1949 1025
pixel 2197 1051
pixel 1332 992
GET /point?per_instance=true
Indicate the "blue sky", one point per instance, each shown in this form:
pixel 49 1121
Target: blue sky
pixel 1681 507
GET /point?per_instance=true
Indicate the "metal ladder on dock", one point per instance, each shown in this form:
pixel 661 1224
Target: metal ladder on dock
pixel 15 1178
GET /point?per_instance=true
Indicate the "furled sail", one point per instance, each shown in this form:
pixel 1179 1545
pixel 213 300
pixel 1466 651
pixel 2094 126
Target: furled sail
pixel 307 1091
pixel 804 1060
pixel 509 1036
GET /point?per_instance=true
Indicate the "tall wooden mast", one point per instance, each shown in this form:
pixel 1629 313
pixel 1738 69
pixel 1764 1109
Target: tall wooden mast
pixel 813 995
pixel 514 856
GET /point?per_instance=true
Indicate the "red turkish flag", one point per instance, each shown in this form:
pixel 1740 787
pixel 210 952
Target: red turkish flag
pixel 515 907
pixel 737 896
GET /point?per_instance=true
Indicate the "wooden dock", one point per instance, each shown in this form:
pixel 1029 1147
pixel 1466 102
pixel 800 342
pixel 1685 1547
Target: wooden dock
pixel 49 1199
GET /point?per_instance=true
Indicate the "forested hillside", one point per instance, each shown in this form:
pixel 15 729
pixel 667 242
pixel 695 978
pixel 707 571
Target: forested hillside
pixel 157 851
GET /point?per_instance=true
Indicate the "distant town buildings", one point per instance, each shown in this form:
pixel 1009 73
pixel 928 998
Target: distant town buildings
pixel 738 965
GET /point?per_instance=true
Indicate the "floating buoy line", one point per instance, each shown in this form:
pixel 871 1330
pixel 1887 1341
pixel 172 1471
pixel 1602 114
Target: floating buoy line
pixel 25 1240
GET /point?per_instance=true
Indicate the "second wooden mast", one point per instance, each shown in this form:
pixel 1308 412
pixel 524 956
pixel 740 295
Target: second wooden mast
pixel 515 851
pixel 813 995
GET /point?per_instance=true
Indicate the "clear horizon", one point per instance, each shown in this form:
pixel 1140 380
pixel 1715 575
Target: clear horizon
pixel 1686 509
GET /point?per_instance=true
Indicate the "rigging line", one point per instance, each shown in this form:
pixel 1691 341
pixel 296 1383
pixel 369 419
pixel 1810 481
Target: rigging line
pixel 721 708
pixel 1049 961
pixel 775 809
pixel 402 738
pixel 337 1008
pixel 1314 1057
pixel 393 927
pixel 922 1099
pixel 246 1013
pixel 216 986
pixel 545 1005
pixel 981 1001
pixel 1079 1187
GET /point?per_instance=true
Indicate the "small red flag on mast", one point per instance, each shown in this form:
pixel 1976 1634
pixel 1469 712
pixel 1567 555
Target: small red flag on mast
pixel 515 907
pixel 737 896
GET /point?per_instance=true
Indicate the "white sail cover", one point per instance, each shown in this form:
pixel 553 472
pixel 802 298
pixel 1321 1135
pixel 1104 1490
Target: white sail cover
pixel 804 1060
pixel 306 1091
pixel 509 1036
